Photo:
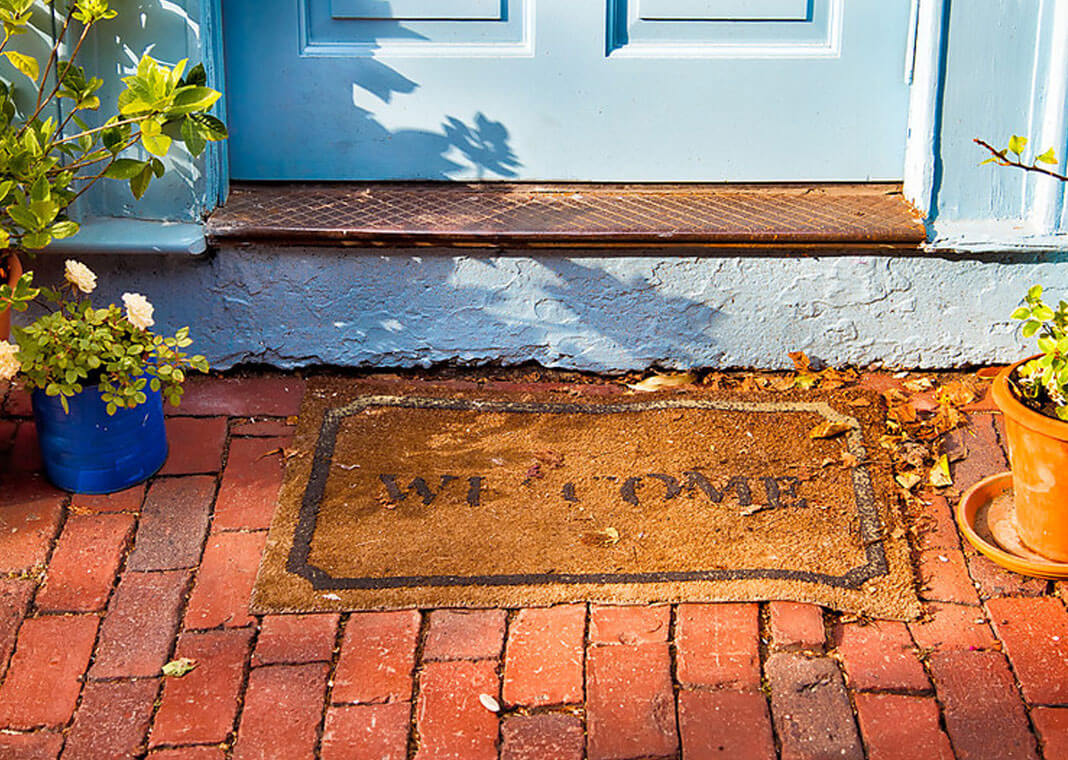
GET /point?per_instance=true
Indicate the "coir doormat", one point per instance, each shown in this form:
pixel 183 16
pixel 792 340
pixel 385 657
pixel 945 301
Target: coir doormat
pixel 476 499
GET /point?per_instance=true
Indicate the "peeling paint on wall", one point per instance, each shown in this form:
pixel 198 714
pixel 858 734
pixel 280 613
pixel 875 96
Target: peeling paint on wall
pixel 293 307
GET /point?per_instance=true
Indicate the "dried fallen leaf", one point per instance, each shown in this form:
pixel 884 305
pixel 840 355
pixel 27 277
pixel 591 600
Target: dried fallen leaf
pixel 659 382
pixel 828 429
pixel 752 509
pixel 606 537
pixel 939 476
pixel 178 668
pixel 859 402
pixel 908 480
pixel 489 703
pixel 849 460
pixel 800 360
pixel 804 381
pixel 550 458
pixel 918 385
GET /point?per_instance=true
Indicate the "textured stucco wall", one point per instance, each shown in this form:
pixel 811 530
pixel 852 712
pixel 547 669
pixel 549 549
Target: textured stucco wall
pixel 292 307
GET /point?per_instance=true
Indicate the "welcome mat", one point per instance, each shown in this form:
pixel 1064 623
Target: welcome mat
pixel 476 499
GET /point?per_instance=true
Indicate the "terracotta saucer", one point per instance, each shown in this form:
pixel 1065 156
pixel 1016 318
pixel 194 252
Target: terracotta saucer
pixel 986 515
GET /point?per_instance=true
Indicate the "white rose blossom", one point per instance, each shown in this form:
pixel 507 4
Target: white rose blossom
pixel 138 310
pixel 9 364
pixel 80 275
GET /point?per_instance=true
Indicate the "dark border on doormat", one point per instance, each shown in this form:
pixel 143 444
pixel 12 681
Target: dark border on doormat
pixel 871 532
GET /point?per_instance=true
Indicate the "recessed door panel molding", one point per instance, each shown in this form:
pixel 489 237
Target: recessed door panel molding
pixel 725 28
pixel 418 10
pixel 724 10
pixel 416 28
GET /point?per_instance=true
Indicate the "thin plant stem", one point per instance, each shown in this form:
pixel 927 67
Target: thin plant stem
pixel 1002 160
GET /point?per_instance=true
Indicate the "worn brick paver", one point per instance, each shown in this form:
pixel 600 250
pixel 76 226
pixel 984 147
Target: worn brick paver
pixel 879 655
pixel 983 712
pixel 200 707
pixel 248 494
pixel 366 732
pixel 83 566
pixel 630 702
pixel 44 678
pixel 377 658
pixel 537 737
pixel 725 725
pixel 174 521
pixel 112 720
pixel 164 570
pixel 139 629
pixel 796 626
pixel 451 720
pixel 224 582
pixel 282 709
pixel 1035 634
pixel 544 657
pixel 811 709
pixel 901 727
pixel 464 635
pixel 290 639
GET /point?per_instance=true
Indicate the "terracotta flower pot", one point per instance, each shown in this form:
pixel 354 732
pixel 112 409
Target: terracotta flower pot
pixel 1038 452
pixel 13 267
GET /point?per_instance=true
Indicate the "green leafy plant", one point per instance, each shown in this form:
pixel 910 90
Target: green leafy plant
pixel 1044 380
pixel 48 160
pixel 74 345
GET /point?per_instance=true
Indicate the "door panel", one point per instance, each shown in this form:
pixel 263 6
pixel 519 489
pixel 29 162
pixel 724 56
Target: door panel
pixel 567 90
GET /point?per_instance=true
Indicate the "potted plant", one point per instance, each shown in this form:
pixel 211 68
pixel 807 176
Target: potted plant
pixel 50 156
pixel 99 377
pixel 1032 395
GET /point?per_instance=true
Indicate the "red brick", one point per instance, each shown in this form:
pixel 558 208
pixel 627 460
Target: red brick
pixel 264 428
pixel 367 732
pixel 630 704
pixel 945 577
pixel 952 626
pixel 983 712
pixel 538 737
pixel 880 655
pixel 271 395
pixel 224 582
pixel 200 707
pixel 15 597
pixel 25 451
pixel 188 753
pixel 282 709
pixel 293 639
pixel 29 520
pixel 1035 635
pixel 140 625
pixel 935 525
pixel 725 725
pixel 464 635
pixel 985 457
pixel 43 745
pixel 796 626
pixel 451 720
pixel 173 524
pixel 1051 725
pixel 84 563
pixel 44 678
pixel 249 491
pixel 899 727
pixel 18 402
pixel 993 580
pixel 629 624
pixel 196 445
pixel 121 501
pixel 718 645
pixel 377 658
pixel 112 720
pixel 811 709
pixel 543 660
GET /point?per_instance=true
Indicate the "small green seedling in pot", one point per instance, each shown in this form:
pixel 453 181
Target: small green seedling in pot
pixel 1045 378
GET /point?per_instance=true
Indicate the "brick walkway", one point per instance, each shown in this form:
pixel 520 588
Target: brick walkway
pixel 97 593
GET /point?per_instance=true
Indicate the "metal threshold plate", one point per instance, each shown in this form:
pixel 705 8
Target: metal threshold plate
pixel 843 216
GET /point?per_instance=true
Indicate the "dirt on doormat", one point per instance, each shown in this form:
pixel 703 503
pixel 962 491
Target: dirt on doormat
pixel 436 497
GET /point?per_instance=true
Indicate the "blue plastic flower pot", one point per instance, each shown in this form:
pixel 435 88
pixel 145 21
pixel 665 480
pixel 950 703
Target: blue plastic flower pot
pixel 88 451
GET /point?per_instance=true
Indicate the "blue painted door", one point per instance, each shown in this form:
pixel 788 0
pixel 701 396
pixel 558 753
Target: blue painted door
pixel 569 90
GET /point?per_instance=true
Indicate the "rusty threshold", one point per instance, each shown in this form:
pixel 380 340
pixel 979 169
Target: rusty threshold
pixel 843 217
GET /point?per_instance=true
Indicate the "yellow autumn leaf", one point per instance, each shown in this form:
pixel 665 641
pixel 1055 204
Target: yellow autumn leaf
pixel 939 476
pixel 908 480
pixel 828 429
pixel 25 63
